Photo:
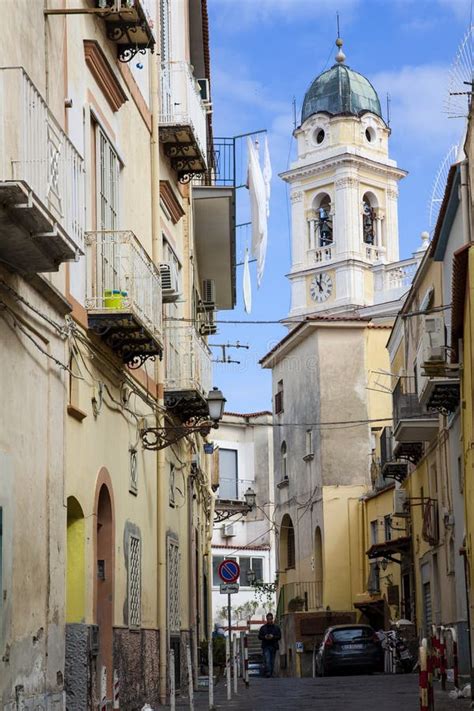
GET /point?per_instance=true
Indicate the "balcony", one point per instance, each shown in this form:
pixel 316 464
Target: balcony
pixel 41 181
pixel 441 394
pixel 412 423
pixel 123 296
pixel 300 597
pixel 188 373
pixel 183 124
pixel 126 24
pixel 391 467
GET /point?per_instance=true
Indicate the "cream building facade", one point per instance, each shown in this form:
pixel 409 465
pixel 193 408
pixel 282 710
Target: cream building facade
pixel 109 287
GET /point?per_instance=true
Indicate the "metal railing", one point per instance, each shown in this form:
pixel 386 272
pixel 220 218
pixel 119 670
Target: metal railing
pixel 181 102
pixel 188 362
pixel 35 149
pixel 121 278
pixel 232 488
pixel 300 597
pixel 406 405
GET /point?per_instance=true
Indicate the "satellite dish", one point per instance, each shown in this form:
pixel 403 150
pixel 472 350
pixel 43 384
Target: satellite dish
pixel 439 185
pixel 460 79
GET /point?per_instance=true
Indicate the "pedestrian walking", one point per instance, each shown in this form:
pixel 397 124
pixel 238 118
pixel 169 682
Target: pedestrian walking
pixel 269 634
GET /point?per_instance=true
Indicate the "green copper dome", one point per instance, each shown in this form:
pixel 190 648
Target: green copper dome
pixel 340 90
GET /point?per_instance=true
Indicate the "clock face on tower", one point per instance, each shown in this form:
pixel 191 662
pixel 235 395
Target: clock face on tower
pixel 321 287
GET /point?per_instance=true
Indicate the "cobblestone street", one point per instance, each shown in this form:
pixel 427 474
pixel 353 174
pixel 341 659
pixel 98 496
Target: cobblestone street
pixel 351 693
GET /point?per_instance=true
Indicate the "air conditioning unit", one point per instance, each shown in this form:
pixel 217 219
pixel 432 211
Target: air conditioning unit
pixel 209 292
pixel 204 90
pixel 169 282
pixel 209 326
pixel 228 530
pixel 401 506
pixel 434 350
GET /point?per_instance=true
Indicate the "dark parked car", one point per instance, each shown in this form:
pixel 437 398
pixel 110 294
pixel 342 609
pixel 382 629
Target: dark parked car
pixel 349 648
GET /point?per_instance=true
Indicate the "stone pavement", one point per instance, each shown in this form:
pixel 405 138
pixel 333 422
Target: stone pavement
pixel 397 692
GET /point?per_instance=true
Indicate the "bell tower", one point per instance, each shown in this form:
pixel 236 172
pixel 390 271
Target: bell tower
pixel 344 195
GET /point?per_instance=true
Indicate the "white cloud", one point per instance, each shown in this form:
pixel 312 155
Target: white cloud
pixel 250 12
pixel 418 94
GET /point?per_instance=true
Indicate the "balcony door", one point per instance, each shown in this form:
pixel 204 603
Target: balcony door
pixel 228 474
pixel 106 199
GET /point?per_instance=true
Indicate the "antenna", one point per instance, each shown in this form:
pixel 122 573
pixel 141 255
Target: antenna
pixel 460 79
pixel 294 112
pixel 337 19
pixel 388 108
pixel 439 186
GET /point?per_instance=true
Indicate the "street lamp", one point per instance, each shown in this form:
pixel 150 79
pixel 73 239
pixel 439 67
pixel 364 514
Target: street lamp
pixel 250 498
pixel 155 438
pixel 225 509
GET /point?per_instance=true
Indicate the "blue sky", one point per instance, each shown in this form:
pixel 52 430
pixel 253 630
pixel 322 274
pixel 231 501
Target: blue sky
pixel 264 53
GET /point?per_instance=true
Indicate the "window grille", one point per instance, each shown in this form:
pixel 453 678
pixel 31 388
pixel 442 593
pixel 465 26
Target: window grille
pixel 174 619
pixel 134 582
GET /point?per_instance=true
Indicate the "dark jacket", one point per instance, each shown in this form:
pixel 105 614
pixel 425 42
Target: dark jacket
pixel 269 629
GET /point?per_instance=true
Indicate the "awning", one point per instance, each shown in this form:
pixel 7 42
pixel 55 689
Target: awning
pixel 388 548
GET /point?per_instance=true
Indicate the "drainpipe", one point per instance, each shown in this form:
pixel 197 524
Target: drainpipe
pixel 160 461
pixel 465 202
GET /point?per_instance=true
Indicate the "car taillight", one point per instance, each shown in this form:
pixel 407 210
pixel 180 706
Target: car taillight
pixel 329 641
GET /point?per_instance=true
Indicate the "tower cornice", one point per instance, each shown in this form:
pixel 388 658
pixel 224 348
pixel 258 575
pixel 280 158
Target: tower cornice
pixel 346 160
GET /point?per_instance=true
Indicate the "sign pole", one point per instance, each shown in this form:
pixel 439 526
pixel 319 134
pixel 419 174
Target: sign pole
pixel 229 615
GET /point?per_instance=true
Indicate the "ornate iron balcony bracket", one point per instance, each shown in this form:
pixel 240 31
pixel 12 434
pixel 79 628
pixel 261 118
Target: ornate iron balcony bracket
pixel 155 438
pixel 224 514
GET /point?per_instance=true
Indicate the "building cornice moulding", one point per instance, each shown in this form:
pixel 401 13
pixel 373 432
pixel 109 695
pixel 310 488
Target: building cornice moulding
pixel 345 160
pixel 104 74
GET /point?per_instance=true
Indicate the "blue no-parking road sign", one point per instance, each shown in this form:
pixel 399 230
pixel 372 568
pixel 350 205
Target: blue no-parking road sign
pixel 229 571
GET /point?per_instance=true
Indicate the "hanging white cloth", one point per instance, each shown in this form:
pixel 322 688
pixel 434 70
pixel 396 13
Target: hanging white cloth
pixel 267 173
pixel 258 209
pixel 247 286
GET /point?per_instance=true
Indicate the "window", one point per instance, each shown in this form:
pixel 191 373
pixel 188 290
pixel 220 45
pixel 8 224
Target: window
pixel 324 221
pixel 172 486
pixel 134 582
pixel 246 563
pixel 290 563
pixel 1 559
pixel 373 584
pixel 373 532
pixel 133 481
pixel 279 398
pixel 309 445
pixel 387 524
pixel 216 561
pixel 254 564
pixel 228 471
pixel 460 476
pixel 108 171
pixel 284 470
pixel 368 221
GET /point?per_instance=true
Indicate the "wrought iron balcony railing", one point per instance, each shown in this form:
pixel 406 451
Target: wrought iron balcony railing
pixel 188 372
pixel 40 168
pixel 123 295
pixel 183 123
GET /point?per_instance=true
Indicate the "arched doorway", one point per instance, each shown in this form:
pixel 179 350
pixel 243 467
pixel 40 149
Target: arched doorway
pixel 75 574
pixel 318 567
pixel 105 591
